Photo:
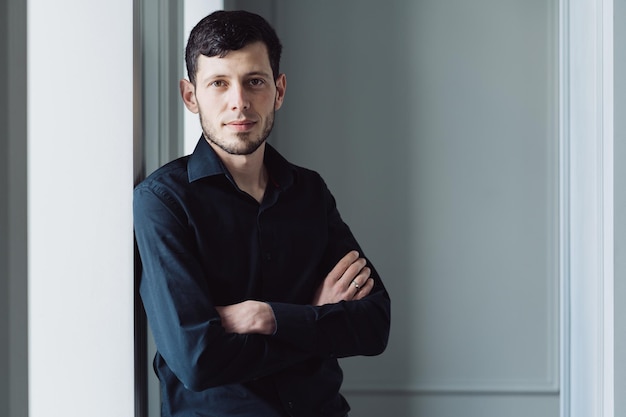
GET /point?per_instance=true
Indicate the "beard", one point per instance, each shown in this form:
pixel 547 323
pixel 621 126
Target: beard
pixel 245 143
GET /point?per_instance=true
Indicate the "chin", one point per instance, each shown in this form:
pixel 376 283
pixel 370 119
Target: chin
pixel 242 148
pixel 239 144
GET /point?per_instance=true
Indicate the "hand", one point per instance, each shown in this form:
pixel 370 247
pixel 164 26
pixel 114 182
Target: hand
pixel 248 317
pixel 349 280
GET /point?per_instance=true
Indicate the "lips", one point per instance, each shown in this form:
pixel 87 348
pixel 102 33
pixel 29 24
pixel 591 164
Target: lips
pixel 241 125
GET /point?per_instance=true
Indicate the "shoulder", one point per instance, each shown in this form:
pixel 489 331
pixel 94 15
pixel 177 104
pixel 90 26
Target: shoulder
pixel 308 176
pixel 288 173
pixel 306 173
pixel 307 180
pixel 173 173
pixel 310 185
pixel 163 187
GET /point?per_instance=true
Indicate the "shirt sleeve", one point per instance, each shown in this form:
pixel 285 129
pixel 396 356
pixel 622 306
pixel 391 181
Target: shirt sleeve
pixel 186 326
pixel 347 328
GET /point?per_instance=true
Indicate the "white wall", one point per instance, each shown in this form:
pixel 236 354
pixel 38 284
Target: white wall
pixel 80 179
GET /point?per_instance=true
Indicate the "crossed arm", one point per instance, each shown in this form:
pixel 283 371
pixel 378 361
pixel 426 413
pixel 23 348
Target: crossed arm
pixel 348 280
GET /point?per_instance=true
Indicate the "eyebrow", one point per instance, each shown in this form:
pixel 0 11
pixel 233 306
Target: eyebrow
pixel 259 74
pixel 246 75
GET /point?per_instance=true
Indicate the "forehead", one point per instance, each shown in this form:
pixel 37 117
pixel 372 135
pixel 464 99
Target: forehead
pixel 251 58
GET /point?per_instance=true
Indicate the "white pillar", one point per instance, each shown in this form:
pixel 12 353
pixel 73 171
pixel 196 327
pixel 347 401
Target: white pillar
pixel 79 183
pixel 587 197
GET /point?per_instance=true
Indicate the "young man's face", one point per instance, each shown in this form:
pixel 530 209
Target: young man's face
pixel 236 98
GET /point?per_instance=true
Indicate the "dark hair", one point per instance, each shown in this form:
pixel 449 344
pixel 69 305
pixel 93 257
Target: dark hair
pixel 225 31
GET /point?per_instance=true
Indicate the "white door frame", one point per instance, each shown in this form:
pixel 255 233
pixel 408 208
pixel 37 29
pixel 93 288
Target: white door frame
pixel 586 135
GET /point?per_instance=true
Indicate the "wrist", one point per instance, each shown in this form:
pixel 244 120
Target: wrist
pixel 267 320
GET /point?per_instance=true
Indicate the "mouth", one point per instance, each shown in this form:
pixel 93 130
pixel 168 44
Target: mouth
pixel 240 125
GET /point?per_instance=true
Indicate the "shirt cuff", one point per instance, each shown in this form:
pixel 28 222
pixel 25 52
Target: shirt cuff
pixel 296 324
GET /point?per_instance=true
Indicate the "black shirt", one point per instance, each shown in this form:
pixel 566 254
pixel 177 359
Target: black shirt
pixel 204 243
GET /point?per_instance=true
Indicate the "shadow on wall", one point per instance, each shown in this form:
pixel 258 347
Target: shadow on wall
pixel 350 116
pixel 424 118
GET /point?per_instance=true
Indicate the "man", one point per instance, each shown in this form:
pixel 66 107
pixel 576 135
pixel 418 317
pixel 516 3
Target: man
pixel 252 283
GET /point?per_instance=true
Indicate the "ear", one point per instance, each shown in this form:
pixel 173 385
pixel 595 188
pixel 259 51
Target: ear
pixel 281 86
pixel 188 93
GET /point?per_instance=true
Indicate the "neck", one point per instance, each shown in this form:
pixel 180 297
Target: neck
pixel 248 171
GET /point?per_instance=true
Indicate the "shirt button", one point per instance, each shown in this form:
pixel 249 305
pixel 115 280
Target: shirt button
pixel 268 256
pixel 290 404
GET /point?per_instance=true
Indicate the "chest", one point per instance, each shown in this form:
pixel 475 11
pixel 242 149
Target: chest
pixel 270 251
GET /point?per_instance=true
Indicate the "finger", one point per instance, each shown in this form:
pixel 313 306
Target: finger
pixel 365 289
pixel 359 281
pixel 343 264
pixel 352 272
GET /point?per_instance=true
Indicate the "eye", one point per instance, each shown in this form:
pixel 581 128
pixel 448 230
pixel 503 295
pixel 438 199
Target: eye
pixel 256 82
pixel 218 83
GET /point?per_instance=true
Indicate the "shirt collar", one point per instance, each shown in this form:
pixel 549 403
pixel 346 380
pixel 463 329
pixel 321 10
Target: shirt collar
pixel 204 162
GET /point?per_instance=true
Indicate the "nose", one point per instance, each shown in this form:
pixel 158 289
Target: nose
pixel 238 98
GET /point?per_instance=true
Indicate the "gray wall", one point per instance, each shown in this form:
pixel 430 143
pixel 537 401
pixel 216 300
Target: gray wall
pixel 13 285
pixel 620 207
pixel 435 125
pixel 4 218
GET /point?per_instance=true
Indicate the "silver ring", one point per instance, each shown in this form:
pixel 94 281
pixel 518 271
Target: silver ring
pixel 357 286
